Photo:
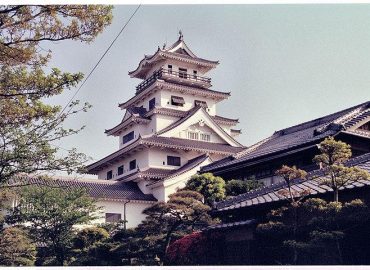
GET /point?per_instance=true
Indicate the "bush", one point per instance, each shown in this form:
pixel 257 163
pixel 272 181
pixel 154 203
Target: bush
pixel 16 249
pixel 237 187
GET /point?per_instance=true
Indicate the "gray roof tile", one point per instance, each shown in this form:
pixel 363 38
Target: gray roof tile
pixel 305 134
pixel 272 191
pixel 100 189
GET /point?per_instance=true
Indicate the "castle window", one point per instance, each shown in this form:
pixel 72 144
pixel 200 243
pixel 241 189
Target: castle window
pixel 177 101
pixel 109 175
pixel 128 137
pixel 170 69
pixel 200 103
pixel 151 104
pixel 183 73
pixel 173 161
pixel 192 135
pixel 133 164
pixel 112 217
pixel 205 137
pixel 195 74
pixel 365 127
pixel 120 170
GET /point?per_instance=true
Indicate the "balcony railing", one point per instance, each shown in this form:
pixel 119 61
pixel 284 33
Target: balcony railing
pixel 171 75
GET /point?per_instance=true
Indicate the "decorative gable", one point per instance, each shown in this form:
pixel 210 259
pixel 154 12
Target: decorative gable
pixel 199 125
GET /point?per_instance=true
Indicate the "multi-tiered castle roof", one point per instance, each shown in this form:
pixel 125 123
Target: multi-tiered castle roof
pixel 170 128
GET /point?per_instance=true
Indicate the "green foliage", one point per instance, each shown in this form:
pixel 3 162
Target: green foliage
pixel 289 174
pixel 324 231
pixel 51 214
pixel 90 246
pixel 88 236
pixel 210 186
pixel 29 126
pixel 183 213
pixel 16 249
pixel 336 174
pixel 237 187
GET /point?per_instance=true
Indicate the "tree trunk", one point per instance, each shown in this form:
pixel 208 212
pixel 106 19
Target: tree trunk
pixel 295 229
pixel 336 194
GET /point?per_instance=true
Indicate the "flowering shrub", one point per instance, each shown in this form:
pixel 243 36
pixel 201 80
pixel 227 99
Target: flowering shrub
pixel 193 249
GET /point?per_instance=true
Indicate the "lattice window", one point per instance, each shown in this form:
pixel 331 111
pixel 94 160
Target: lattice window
pixel 192 135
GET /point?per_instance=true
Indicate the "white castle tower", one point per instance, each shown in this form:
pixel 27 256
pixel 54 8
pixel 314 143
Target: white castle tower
pixel 170 127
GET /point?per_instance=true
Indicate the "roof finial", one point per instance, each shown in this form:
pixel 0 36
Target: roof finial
pixel 181 36
pixel 164 46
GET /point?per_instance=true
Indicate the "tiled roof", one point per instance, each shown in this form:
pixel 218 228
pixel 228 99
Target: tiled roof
pixel 271 193
pixel 186 144
pixel 224 226
pixel 166 142
pixel 177 113
pixel 100 189
pixel 192 163
pixel 176 87
pixel 189 113
pixel 137 116
pixel 302 135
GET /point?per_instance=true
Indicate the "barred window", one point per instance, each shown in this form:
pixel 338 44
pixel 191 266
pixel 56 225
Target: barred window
pixel 128 137
pixel 205 137
pixel 151 104
pixel 200 103
pixel 173 161
pixel 112 217
pixel 193 135
pixel 120 170
pixel 133 164
pixel 177 101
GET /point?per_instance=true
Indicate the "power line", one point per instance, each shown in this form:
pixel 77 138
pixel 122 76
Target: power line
pixel 101 58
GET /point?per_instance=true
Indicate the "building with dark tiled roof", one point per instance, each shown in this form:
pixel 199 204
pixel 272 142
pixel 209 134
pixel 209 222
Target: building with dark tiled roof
pixel 296 145
pixel 241 214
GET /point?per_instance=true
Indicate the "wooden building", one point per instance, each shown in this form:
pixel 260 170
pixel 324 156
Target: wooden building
pixel 296 145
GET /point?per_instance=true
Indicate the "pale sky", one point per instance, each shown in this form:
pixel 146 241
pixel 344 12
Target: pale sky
pixel 284 64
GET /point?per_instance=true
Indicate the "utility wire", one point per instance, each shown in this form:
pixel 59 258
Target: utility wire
pixel 101 58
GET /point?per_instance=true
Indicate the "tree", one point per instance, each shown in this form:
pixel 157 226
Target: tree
pixel 332 160
pixel 237 187
pixel 327 233
pixel 183 213
pixel 294 197
pixel 29 126
pixel 289 174
pixel 86 246
pixel 210 186
pixel 51 214
pixel 16 249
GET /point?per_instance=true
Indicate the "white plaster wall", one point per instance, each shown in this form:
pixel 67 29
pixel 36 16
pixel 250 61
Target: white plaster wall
pixel 163 121
pixel 138 130
pixel 142 162
pixel 189 101
pixel 145 102
pixel 134 211
pixel 159 156
pixel 172 185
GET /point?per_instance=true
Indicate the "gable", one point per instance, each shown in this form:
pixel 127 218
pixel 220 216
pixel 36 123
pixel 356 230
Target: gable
pixel 181 48
pixel 126 116
pixel 365 127
pixel 199 120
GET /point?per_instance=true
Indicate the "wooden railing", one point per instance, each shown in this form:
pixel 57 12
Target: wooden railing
pixel 159 74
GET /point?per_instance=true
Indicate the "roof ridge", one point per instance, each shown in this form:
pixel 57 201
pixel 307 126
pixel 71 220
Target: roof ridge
pixel 272 188
pixel 320 120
